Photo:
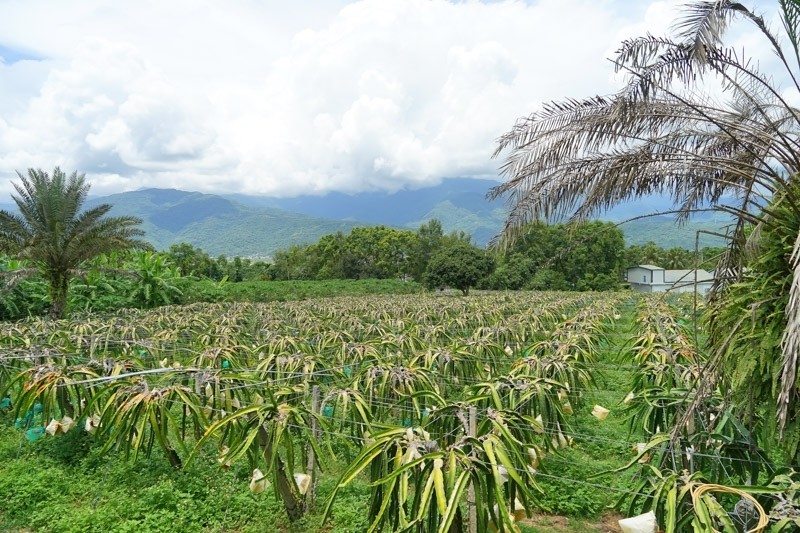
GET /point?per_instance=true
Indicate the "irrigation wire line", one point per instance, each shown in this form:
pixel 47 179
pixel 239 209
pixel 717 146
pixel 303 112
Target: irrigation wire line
pixel 538 473
pixel 542 474
pixel 390 356
pixel 552 431
pixel 450 379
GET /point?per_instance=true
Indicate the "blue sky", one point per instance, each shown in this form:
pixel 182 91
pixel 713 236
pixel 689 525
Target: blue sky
pixel 283 98
pixel 9 56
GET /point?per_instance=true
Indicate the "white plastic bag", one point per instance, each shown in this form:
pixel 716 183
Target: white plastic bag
pixel 258 483
pixel 644 523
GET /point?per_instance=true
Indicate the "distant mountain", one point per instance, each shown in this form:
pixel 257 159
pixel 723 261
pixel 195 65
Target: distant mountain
pixel 244 225
pixel 458 203
pixel 667 233
pixel 218 225
pixel 397 208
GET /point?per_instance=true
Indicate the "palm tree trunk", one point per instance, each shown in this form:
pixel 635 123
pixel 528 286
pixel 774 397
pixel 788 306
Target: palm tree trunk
pixel 59 285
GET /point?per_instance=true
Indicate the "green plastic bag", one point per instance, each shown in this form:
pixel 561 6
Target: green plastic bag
pixel 34 433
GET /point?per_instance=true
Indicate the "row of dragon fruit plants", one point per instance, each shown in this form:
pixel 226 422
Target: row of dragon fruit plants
pixel 398 381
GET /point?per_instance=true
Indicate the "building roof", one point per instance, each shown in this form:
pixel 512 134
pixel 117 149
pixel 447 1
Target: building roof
pixel 648 267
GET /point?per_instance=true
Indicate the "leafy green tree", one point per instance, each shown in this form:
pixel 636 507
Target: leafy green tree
pixel 335 260
pixel 677 258
pixel 191 261
pixel 547 279
pixel 236 270
pixel 292 263
pixel 574 251
pixel 366 252
pixel 648 254
pixel 513 272
pixel 255 270
pixel 379 252
pixel 459 265
pixel 429 239
pixel 55 237
pixel 591 249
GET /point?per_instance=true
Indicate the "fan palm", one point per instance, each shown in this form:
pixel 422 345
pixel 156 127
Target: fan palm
pixel 54 236
pixel 697 122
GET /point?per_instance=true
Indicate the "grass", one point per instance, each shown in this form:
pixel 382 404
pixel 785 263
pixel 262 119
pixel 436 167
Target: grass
pixel 64 485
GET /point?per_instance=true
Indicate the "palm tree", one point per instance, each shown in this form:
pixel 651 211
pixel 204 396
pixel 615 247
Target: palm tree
pixel 696 121
pixel 55 237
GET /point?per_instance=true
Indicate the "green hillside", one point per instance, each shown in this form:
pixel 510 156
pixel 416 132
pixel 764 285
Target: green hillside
pixel 667 233
pixel 247 227
pixel 483 227
pixel 218 225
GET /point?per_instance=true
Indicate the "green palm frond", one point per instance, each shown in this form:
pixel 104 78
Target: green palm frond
pixel 54 235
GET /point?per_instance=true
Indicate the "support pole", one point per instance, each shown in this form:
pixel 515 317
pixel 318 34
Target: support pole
pixel 311 465
pixel 471 508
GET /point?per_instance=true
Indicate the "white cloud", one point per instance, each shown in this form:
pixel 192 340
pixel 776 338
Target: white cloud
pixel 292 97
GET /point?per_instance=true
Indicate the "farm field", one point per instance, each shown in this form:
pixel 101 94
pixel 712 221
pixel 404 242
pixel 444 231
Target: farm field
pixel 158 420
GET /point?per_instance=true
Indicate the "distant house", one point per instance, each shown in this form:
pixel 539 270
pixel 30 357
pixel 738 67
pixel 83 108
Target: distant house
pixel 650 278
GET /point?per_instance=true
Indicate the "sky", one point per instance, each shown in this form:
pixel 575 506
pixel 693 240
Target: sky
pixel 281 98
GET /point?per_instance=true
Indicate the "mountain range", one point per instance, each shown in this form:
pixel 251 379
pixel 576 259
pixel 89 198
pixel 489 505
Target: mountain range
pixel 254 226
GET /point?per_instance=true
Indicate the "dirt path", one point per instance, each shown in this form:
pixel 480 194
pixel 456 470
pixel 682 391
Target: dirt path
pixel 553 523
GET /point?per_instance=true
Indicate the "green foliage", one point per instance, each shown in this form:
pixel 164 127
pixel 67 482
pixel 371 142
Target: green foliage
pixel 429 239
pixel 458 264
pixel 99 292
pixel 547 279
pixel 54 235
pixel 155 281
pixel 747 321
pixel 366 252
pixel 578 256
pixel 191 261
pixel 513 272
pixel 20 297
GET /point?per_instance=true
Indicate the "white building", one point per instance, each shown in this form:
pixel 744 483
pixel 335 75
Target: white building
pixel 650 278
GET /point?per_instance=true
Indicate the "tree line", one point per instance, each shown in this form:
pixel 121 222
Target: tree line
pixel 576 256
pixel 58 256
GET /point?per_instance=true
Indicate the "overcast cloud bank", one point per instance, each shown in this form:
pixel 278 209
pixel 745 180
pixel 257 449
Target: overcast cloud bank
pixel 283 98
